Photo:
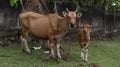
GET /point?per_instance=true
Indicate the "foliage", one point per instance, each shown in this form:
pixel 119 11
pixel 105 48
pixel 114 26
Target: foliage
pixel 106 4
pixel 113 4
pixel 13 2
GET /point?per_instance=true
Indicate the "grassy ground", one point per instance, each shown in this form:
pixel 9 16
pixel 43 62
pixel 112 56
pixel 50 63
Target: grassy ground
pixel 104 53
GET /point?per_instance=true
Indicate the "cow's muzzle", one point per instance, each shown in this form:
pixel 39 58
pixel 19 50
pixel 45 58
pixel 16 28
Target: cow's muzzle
pixel 72 24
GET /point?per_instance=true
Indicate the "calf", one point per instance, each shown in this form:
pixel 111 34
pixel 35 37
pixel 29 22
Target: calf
pixel 84 39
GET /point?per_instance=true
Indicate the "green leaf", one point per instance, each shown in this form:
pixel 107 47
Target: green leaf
pixel 13 2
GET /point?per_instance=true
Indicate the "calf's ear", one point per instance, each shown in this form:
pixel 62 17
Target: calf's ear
pixel 64 13
pixel 79 15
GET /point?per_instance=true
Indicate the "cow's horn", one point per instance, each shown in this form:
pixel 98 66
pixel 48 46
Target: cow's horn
pixel 76 10
pixel 77 5
pixel 67 9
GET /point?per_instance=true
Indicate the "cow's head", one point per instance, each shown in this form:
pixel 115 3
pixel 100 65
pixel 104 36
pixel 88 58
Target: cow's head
pixel 71 16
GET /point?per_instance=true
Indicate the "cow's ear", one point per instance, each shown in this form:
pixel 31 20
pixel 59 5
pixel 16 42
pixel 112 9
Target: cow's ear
pixel 79 15
pixel 64 13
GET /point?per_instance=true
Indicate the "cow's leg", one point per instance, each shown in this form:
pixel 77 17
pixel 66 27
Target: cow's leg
pixel 24 41
pixel 66 54
pixel 24 45
pixel 58 45
pixel 61 47
pixel 58 51
pixel 52 46
pixel 52 50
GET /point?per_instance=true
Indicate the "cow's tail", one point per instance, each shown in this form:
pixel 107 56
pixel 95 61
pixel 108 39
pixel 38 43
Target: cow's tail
pixel 18 23
pixel 19 29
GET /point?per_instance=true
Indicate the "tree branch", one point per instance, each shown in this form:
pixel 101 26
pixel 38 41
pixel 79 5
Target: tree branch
pixel 21 2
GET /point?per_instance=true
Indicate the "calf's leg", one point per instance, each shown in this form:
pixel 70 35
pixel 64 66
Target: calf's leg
pixel 82 53
pixel 86 52
pixel 86 55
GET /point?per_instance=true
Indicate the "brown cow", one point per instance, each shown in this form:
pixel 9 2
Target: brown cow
pixel 84 39
pixel 50 27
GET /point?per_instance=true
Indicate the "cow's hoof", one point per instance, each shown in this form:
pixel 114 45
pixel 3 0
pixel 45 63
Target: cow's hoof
pixel 93 65
pixel 86 60
pixel 59 60
pixel 46 59
pixel 49 58
pixel 82 59
pixel 65 57
pixel 80 65
pixel 28 52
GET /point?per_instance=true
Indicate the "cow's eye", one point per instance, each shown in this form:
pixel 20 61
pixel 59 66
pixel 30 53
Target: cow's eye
pixel 68 16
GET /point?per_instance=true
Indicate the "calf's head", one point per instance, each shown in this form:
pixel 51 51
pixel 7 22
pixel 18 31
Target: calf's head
pixel 71 17
pixel 86 28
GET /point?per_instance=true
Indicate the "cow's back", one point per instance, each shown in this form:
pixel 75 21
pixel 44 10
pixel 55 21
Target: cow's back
pixel 36 24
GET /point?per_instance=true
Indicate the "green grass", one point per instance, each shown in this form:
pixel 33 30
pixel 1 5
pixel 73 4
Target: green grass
pixel 104 53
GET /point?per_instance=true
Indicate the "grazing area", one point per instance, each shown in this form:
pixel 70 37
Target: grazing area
pixel 104 53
